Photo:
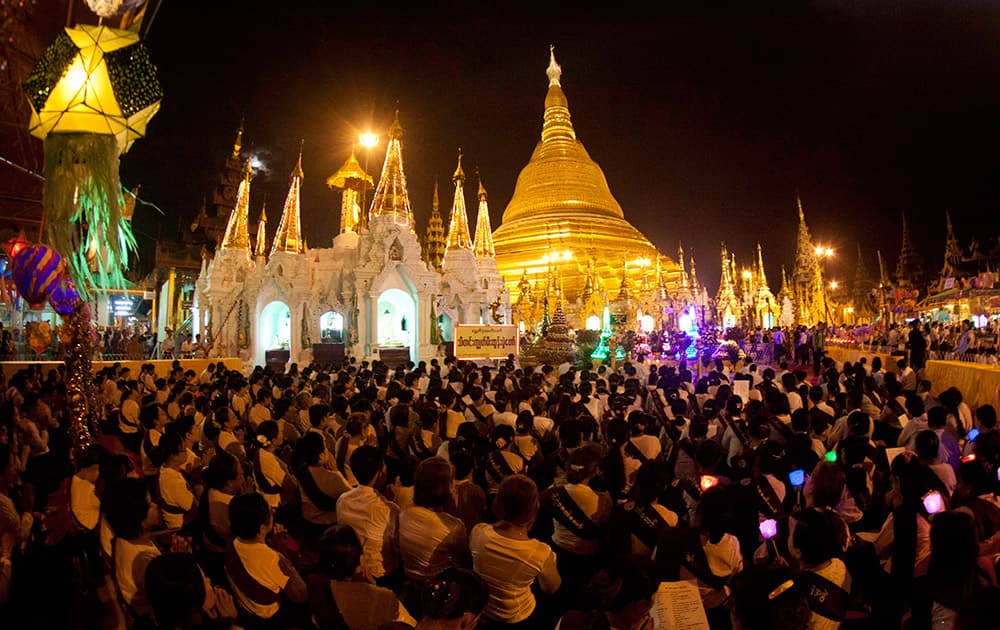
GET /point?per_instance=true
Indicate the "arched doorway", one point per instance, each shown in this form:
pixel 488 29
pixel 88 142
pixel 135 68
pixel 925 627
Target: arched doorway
pixel 396 319
pixel 447 327
pixel 331 327
pixel 274 329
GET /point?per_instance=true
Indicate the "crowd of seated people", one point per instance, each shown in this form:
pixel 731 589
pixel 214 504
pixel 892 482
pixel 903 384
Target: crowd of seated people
pixel 451 495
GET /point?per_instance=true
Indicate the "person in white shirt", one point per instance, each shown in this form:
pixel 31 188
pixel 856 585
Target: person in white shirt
pixel 262 410
pixel 508 559
pixel 128 420
pixel 430 539
pixel 223 480
pixel 374 518
pixel 176 498
pixel 543 424
pixel 131 516
pixel 320 483
pixel 271 474
pixel 258 574
pixel 83 501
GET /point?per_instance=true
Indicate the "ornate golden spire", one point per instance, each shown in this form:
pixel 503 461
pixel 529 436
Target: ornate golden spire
pixel 261 248
pixel 352 179
pixel 458 226
pixel 680 262
pixel 237 236
pixel 483 247
pixel 391 197
pixel 761 274
pixel 436 243
pixel 288 238
pixel 694 276
pixel 238 145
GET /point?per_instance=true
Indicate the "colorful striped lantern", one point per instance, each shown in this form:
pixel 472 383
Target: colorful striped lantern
pixel 37 270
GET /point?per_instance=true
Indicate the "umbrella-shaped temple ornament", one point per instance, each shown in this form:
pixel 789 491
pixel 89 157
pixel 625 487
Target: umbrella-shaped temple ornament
pixel 92 93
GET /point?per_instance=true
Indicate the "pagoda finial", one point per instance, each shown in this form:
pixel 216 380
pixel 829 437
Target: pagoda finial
pixel 238 145
pixel 483 245
pixel 391 197
pixel 236 235
pixel 554 71
pixel 435 233
pixel 396 129
pixel 557 124
pixel 802 215
pixel 288 238
pixel 261 247
pixel 761 274
pixel 458 226
pixel 298 165
pixel 459 172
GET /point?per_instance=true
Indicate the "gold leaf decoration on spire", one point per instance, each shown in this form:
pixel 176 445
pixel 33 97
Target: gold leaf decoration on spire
pixel 288 238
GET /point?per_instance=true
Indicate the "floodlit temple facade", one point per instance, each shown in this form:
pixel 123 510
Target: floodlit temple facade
pixel 370 294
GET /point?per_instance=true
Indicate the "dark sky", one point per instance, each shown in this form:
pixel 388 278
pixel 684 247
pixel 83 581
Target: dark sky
pixel 706 121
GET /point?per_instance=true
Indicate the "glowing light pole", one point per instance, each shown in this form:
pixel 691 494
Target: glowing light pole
pixel 369 141
pixel 822 253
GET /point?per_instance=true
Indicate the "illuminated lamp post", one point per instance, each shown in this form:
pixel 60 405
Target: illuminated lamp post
pixel 821 254
pixel 369 141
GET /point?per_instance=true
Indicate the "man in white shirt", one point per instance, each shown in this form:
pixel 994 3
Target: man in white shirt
pixel 373 518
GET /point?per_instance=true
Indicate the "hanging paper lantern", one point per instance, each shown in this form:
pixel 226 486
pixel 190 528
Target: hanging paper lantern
pixel 111 8
pixel 92 93
pixel 64 297
pixel 37 270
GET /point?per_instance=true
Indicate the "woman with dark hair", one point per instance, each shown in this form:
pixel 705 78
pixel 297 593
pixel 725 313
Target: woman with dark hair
pixel 131 516
pixel 954 567
pixel 707 552
pixel 223 480
pixel 820 539
pixel 319 486
pixel 579 517
pixel 904 543
pixel 509 560
pixel 269 471
pixel 430 539
pixel 637 525
pixel 339 596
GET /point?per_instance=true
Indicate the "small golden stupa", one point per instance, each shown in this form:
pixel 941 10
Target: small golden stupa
pixel 564 222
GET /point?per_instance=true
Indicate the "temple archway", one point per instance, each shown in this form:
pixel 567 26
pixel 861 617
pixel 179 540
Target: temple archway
pixel 274 329
pixel 396 317
pixel 331 327
pixel 447 327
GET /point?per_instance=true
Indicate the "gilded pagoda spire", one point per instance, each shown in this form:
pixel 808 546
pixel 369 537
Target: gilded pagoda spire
pixel 807 277
pixel 391 197
pixel 288 238
pixel 352 179
pixel 237 235
pixel 909 268
pixel 458 225
pixel 261 246
pixel 483 246
pixel 436 243
pixel 680 261
pixel 695 287
pixel 761 274
pixel 238 145
pixel 624 290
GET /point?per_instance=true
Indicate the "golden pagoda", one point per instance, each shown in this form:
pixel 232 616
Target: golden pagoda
pixel 563 214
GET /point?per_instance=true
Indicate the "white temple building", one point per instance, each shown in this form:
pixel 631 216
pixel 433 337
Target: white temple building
pixel 369 295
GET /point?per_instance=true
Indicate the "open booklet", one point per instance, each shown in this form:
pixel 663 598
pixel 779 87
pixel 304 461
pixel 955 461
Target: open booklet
pixel 677 606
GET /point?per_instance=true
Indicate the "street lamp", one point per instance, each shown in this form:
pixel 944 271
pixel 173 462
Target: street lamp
pixel 821 253
pixel 369 141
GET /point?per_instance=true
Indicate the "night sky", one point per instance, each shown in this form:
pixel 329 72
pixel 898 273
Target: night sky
pixel 706 121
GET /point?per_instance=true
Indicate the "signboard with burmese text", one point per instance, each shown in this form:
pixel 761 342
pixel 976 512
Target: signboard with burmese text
pixel 485 342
